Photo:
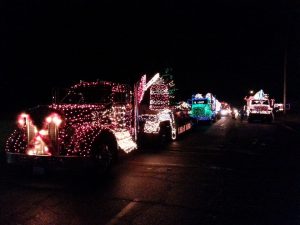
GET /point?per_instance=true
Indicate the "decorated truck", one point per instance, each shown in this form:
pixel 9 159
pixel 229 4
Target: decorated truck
pixel 158 116
pixel 204 108
pixel 91 123
pixel 259 107
pixel 88 125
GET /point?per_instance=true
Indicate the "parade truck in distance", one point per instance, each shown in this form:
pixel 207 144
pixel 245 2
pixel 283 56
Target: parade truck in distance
pixel 259 107
pixel 225 109
pixel 88 125
pixel 158 118
pixel 204 108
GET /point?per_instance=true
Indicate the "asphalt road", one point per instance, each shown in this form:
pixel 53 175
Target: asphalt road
pixel 230 172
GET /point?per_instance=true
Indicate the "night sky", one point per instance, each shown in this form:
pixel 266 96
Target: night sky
pixel 223 47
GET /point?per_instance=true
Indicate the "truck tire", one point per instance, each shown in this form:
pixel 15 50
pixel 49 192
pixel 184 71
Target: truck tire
pixel 213 119
pixel 104 152
pixel 250 119
pixel 166 131
pixel 270 119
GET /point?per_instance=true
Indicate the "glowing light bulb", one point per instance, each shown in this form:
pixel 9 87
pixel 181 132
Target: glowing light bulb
pixel 24 115
pixel 31 152
pixel 21 122
pixel 43 132
pixel 38 138
pixel 56 120
pixel 49 119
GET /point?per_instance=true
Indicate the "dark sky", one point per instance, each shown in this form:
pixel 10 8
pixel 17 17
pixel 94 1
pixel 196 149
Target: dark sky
pixel 223 47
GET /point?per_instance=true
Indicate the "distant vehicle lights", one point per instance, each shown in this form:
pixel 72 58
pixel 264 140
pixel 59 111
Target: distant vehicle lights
pixel 224 112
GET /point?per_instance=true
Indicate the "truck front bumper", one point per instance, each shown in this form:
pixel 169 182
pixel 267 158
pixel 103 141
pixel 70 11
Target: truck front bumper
pixel 49 161
pixel 202 118
pixel 261 116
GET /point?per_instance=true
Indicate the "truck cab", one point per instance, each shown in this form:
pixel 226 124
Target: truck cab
pixel 90 121
pixel 259 107
pixel 203 108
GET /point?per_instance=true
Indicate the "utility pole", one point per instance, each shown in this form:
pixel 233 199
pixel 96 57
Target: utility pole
pixel 284 80
pixel 285 64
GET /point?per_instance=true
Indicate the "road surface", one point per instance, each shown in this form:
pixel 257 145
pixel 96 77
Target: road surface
pixel 229 172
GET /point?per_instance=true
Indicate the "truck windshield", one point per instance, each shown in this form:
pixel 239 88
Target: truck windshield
pixel 202 101
pixel 260 102
pixel 90 95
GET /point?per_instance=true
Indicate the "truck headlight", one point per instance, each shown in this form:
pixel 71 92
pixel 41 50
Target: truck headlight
pixel 54 118
pixel 23 119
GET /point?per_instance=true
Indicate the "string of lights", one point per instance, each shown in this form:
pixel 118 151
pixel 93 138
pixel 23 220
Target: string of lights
pixel 76 126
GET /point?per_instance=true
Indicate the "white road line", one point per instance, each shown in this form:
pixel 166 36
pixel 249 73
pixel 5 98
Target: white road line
pixel 180 165
pixel 165 165
pixel 122 213
pixel 201 148
pixel 191 152
pixel 288 127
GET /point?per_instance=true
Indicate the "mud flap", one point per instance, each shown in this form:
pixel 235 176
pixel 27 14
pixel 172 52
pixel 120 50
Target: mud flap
pixel 125 141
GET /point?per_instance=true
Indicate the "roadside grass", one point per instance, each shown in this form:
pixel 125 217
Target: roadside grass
pixel 289 117
pixel 293 117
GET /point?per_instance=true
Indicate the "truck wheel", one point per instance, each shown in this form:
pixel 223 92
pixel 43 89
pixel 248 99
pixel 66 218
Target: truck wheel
pixel 104 153
pixel 166 132
pixel 250 120
pixel 213 119
pixel 270 119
